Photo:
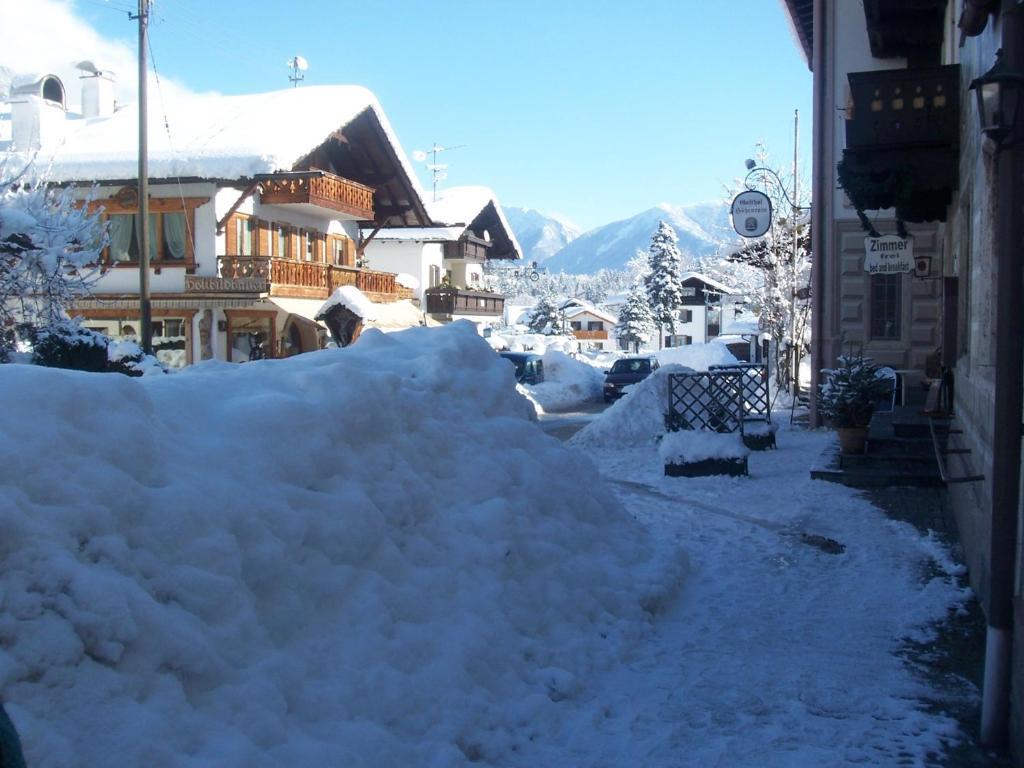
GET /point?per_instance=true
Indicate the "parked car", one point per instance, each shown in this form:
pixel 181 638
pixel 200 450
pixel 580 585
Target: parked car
pixel 628 370
pixel 529 367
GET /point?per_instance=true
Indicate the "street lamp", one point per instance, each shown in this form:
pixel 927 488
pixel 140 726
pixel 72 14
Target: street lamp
pixel 998 95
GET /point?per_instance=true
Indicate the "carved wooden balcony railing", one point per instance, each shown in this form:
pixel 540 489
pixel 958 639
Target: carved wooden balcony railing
pixel 458 301
pixel 319 188
pixel 311 279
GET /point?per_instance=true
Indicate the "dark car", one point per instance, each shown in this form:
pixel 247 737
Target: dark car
pixel 628 370
pixel 529 367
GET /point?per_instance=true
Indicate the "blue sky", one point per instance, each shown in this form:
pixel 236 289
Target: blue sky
pixel 595 110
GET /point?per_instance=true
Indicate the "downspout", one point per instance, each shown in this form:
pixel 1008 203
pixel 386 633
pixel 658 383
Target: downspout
pixel 821 192
pixel 1006 436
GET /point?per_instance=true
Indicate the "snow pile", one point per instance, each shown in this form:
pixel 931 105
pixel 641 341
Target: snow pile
pixel 362 557
pixel 691 445
pixel 567 382
pixel 406 280
pixel 351 298
pixel 532 342
pixel 636 419
pixel 699 357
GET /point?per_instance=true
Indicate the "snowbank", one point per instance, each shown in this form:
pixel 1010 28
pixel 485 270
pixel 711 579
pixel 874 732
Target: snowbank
pixel 636 419
pixel 699 357
pixel 362 557
pixel 567 382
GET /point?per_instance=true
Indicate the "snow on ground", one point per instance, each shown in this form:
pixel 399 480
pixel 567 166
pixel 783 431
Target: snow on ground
pixel 372 557
pixel 568 383
pixel 362 557
pixel 778 654
pixel 635 419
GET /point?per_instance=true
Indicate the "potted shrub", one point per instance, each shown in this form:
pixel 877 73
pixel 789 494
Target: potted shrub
pixel 847 399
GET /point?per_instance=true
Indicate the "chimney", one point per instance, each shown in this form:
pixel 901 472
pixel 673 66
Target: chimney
pixel 37 112
pixel 97 94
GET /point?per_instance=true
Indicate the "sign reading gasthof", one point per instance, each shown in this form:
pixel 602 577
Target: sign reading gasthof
pixel 888 255
pixel 751 213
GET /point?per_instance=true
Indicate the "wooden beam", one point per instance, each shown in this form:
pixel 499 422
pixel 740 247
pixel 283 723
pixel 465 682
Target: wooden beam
pixel 238 203
pixel 367 240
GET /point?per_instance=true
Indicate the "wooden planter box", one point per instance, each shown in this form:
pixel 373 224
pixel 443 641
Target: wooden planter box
pixel 707 467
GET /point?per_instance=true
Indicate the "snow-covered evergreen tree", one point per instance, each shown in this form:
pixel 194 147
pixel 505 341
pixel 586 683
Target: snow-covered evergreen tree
pixel 49 252
pixel 635 318
pixel 663 284
pixel 547 316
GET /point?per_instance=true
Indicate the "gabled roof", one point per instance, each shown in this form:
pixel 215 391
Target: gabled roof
pixel 708 281
pixel 573 312
pixel 459 209
pixel 239 137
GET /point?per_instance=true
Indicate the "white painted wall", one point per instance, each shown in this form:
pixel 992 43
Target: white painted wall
pixel 414 258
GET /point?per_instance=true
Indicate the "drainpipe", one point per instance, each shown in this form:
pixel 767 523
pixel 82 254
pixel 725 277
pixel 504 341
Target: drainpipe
pixel 821 193
pixel 1006 437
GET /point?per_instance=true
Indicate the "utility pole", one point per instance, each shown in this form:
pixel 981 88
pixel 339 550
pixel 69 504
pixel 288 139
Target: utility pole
pixel 796 347
pixel 142 223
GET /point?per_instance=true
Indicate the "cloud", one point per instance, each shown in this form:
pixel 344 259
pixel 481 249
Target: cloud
pixel 46 36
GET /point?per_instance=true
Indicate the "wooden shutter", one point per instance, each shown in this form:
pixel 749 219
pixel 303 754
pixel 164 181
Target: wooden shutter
pixel 231 232
pixel 262 237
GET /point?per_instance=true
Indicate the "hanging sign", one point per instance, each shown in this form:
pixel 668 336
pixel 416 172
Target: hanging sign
pixel 751 213
pixel 888 255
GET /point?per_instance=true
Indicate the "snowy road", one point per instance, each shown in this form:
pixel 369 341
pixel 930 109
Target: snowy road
pixel 565 424
pixel 778 653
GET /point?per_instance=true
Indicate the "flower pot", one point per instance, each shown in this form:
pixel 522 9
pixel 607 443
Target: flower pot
pixel 852 439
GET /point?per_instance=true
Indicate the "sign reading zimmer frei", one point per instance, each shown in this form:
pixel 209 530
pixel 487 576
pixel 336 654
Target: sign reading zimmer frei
pixel 888 255
pixel 751 213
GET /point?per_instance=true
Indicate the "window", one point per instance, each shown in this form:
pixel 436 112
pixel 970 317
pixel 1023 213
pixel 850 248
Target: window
pixel 885 306
pixel 169 238
pixel 243 236
pixel 435 275
pixel 595 325
pixel 339 246
pixel 686 315
pixel 684 340
pixel 576 325
pixel 280 240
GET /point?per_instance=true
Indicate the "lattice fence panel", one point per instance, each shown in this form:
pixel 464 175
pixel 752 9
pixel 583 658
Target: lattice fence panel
pixel 709 401
pixel 754 383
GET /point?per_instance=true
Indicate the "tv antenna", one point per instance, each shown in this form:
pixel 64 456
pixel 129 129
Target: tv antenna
pixel 439 171
pixel 298 65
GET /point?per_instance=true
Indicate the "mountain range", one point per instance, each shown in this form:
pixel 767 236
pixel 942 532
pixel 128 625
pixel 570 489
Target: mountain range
pixel 702 229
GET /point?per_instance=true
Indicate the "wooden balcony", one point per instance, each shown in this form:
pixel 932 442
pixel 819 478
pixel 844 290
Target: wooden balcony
pixel 453 302
pixel 318 189
pixel 311 279
pixel 590 335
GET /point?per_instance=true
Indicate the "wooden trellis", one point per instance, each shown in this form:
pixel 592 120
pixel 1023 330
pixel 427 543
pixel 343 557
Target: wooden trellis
pixel 753 389
pixel 711 400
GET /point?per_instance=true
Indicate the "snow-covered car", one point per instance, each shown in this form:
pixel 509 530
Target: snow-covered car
pixel 529 367
pixel 628 370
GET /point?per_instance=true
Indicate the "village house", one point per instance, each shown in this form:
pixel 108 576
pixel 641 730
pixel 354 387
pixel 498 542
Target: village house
pixel 257 206
pixel 470 229
pixel 928 155
pixel 700 317
pixel 592 326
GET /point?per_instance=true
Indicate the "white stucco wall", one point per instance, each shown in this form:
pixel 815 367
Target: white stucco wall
pixel 414 258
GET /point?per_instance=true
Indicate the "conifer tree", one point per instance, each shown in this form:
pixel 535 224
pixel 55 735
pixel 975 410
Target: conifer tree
pixel 547 316
pixel 635 318
pixel 663 284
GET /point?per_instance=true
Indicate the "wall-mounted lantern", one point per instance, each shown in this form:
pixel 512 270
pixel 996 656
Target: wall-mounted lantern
pixel 999 95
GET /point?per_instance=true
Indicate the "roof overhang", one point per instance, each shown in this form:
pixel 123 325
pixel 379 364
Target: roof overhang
pixel 801 19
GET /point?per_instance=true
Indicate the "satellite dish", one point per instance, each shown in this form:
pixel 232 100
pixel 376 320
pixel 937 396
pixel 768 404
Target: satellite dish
pixel 87 66
pixel 419 155
pixel 300 63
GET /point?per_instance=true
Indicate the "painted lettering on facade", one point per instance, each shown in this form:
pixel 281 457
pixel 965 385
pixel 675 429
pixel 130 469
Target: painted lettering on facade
pixel 195 284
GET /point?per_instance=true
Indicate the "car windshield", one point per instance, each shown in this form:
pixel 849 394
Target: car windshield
pixel 632 366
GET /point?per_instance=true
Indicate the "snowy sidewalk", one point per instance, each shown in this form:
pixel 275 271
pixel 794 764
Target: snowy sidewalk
pixel 778 653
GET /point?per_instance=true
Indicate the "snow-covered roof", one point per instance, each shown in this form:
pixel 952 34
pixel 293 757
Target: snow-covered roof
pixel 214 136
pixel 454 212
pixel 571 312
pixel 419 234
pixel 708 281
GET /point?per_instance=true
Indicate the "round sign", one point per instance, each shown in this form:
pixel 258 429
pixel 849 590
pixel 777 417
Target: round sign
pixel 751 213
